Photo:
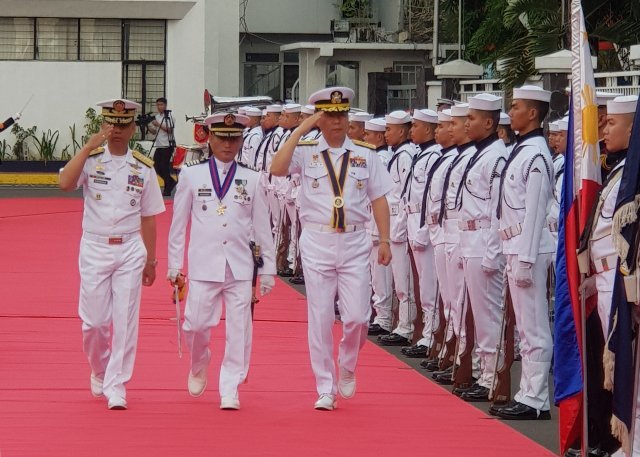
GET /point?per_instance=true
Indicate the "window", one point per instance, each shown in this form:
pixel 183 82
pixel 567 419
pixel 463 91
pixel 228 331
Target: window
pixel 144 39
pixel 57 39
pixel 262 79
pixel 16 38
pixel 407 71
pixel 100 39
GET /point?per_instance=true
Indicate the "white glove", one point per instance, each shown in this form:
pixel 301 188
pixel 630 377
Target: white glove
pixel 524 275
pixel 266 284
pixel 417 246
pixel 488 270
pixel 588 287
pixel 172 274
pixel 16 117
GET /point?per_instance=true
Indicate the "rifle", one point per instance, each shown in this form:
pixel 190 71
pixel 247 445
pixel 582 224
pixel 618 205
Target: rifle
pixel 258 262
pixel 439 332
pixel 500 391
pixel 462 376
pixel 178 294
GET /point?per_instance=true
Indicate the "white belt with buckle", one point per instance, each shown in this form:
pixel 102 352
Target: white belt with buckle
pixel 605 263
pixel 329 229
pixel 413 208
pixel 111 239
pixel 394 209
pixel 473 225
pixel 510 232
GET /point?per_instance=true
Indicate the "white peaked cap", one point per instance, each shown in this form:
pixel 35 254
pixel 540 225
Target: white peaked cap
pixel 308 109
pixel 486 102
pixel 274 109
pixel 360 116
pixel 532 93
pixel 425 115
pixel 504 119
pixel 444 115
pixel 460 110
pixel 622 105
pixel 375 125
pixel 554 127
pixel 398 117
pixel 252 111
pixel 563 124
pixel 292 108
pixel 603 97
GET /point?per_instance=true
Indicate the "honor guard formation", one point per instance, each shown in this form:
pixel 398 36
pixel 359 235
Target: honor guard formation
pixel 434 230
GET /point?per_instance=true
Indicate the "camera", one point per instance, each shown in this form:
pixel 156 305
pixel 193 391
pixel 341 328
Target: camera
pixel 144 119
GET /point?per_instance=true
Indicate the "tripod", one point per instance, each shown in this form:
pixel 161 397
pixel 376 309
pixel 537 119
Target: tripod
pixel 162 156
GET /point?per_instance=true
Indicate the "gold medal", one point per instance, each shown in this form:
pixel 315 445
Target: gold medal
pixel 315 184
pixel 221 209
pixel 338 202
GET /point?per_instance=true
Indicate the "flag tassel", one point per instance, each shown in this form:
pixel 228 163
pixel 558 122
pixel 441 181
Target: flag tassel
pixel 625 215
pixel 621 433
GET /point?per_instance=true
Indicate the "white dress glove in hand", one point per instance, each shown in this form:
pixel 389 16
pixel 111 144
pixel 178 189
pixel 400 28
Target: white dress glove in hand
pixel 172 275
pixel 524 275
pixel 588 287
pixel 266 284
pixel 16 117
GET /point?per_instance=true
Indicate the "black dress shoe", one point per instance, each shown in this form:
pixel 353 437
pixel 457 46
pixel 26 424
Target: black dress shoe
pixel 520 411
pixel 443 380
pixel 459 391
pixel 446 372
pixel 393 339
pixel 495 407
pixel 299 280
pixel 477 393
pixel 375 329
pixel 286 273
pixel 417 351
pixel 430 364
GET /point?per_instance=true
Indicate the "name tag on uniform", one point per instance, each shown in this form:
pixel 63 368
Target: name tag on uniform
pixel 136 181
pixel 204 192
pixel 100 181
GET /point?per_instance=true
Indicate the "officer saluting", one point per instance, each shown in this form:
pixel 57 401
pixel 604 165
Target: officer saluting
pixel 118 246
pixel 224 203
pixel 339 179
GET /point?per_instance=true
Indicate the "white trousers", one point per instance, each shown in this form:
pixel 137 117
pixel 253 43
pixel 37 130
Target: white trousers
pixel 604 285
pixel 382 285
pixel 290 207
pixel 441 273
pixel 336 263
pixel 110 289
pixel 455 286
pixel 203 312
pixel 485 295
pixel 532 320
pixel 426 266
pixel 403 282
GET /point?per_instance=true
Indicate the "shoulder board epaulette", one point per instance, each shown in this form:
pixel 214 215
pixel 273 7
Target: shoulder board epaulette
pixel 248 167
pixel 143 159
pixel 195 162
pixel 363 144
pixel 96 151
pixel 307 142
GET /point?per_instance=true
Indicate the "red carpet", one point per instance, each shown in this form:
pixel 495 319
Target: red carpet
pixel 47 409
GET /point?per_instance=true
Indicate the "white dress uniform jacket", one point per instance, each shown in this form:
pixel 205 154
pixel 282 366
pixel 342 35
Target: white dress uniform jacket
pixel 250 145
pixel 336 262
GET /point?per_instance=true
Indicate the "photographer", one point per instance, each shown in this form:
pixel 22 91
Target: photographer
pixel 164 143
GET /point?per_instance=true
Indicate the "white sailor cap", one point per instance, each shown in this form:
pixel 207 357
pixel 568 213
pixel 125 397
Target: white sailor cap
pixel 554 127
pixel 360 116
pixel 226 124
pixel 532 93
pixel 264 112
pixel 308 109
pixel 485 102
pixel 398 117
pixel 118 110
pixel 460 110
pixel 274 109
pixel 603 97
pixel 563 124
pixel 332 99
pixel 425 115
pixel 444 115
pixel 291 108
pixel 242 110
pixel 625 104
pixel 251 111
pixel 377 124
pixel 504 119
